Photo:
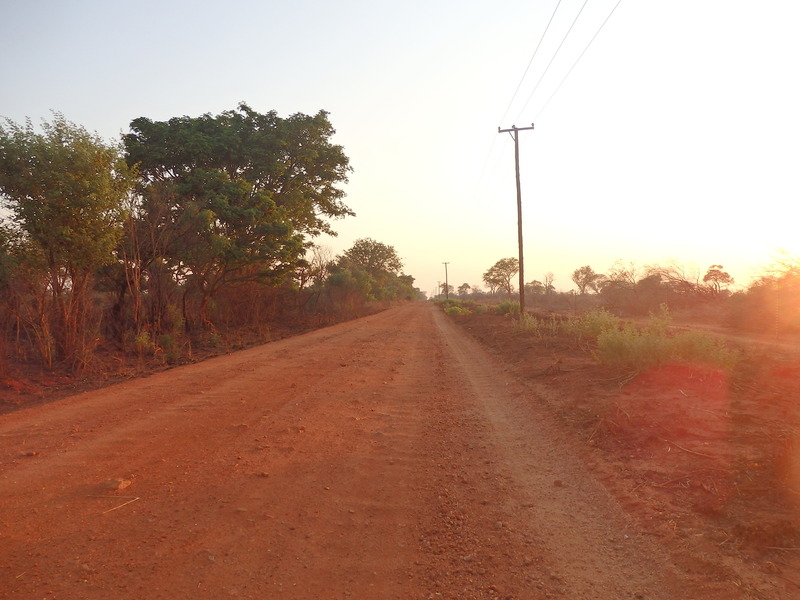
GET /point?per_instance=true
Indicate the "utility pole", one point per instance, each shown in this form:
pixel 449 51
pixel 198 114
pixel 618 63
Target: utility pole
pixel 446 286
pixel 515 135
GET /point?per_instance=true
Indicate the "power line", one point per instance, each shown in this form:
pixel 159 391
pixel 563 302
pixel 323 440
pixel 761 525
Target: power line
pixel 530 62
pixel 579 58
pixel 564 39
pixel 483 171
pixel 514 96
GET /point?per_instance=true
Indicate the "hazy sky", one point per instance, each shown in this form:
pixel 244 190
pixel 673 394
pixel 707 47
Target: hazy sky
pixel 676 137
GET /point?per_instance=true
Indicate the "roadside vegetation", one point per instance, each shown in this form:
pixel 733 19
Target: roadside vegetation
pixel 622 345
pixel 633 319
pixel 185 236
pixel 686 389
pixel 769 304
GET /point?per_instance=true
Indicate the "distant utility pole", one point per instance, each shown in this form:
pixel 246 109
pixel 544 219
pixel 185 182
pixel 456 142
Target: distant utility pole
pixel 514 134
pixel 446 286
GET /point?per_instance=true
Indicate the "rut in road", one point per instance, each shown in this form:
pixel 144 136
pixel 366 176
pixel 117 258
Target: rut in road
pixel 387 457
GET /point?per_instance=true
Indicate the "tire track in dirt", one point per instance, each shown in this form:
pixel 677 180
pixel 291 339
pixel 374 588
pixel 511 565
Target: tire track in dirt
pixel 583 542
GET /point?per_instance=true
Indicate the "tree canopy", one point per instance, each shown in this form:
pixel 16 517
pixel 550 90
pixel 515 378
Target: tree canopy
pixel 65 189
pixel 288 164
pixel 586 279
pixel 717 279
pixel 501 274
pixel 231 198
pixel 374 257
pixel 373 270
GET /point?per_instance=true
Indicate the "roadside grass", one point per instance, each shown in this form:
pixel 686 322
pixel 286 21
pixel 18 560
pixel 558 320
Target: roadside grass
pixel 620 345
pixel 631 347
pixel 634 349
pixel 545 329
pixel 507 307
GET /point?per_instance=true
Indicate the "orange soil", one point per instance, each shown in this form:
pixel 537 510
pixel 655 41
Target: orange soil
pixel 396 457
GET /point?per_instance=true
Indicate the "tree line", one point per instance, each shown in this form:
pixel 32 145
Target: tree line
pixel 181 227
pixel 770 303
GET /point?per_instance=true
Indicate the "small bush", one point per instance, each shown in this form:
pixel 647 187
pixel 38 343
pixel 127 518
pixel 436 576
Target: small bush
pixel 631 348
pixel 507 307
pixel 697 347
pixel 143 343
pixel 589 325
pixel 171 347
pixel 634 349
pixel 456 310
pixel 542 328
pixel 446 303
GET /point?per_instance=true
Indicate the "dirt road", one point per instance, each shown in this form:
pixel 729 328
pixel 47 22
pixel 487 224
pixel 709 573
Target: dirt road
pixel 388 457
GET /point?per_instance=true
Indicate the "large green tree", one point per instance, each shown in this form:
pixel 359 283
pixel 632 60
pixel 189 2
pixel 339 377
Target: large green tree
pixel 64 188
pixel 374 257
pixel 372 270
pixel 232 197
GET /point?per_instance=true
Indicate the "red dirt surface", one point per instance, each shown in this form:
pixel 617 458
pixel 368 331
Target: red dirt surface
pixel 396 457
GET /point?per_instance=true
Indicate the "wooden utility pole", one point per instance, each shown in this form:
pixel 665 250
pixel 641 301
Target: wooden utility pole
pixel 513 131
pixel 446 285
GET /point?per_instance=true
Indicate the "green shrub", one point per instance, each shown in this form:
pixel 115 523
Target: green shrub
pixel 507 307
pixel 445 303
pixel 697 347
pixel 543 328
pixel 456 310
pixel 631 348
pixel 214 339
pixel 171 346
pixel 589 325
pixel 143 343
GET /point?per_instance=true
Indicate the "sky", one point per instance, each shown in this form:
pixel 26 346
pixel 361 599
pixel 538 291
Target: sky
pixel 664 132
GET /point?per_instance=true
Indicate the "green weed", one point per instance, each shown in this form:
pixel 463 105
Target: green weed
pixel 542 328
pixel 589 325
pixel 633 348
pixel 507 307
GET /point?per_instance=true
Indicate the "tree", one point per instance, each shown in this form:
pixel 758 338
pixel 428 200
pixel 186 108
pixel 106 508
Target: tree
pixel 230 198
pixel 534 287
pixel 585 278
pixel 676 278
pixel 291 160
pixel 501 274
pixel 316 267
pixel 446 289
pixel 619 286
pixel 622 274
pixel 716 278
pixel 464 290
pixel 549 278
pixel 64 188
pixel 7 256
pixel 373 270
pixel 374 257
